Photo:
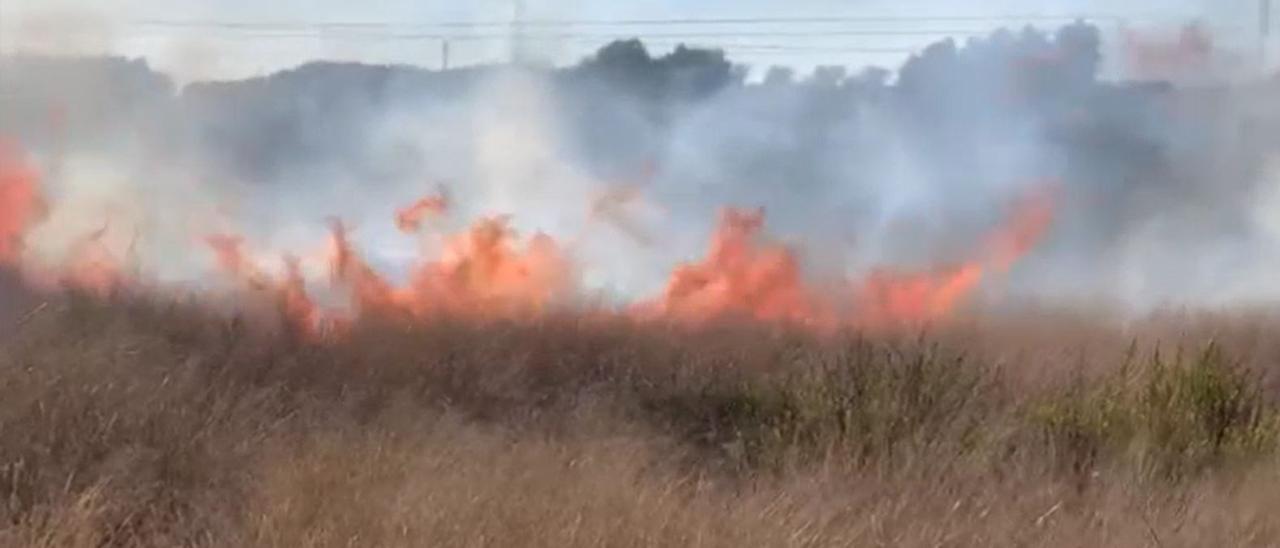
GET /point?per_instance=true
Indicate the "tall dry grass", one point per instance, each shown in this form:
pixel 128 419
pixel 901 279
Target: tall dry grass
pixel 140 423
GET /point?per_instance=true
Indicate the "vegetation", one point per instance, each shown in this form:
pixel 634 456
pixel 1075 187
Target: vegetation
pixel 143 424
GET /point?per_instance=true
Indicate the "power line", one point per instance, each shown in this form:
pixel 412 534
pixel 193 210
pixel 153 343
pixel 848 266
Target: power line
pixel 544 23
pixel 728 41
pixel 607 37
pixel 561 29
pixel 802 35
pixel 661 42
pixel 579 29
pixel 350 34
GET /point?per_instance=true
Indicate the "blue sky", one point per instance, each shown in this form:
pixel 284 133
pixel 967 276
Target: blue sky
pixel 114 26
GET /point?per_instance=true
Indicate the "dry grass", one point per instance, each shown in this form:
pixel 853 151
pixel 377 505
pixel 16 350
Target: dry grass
pixel 144 424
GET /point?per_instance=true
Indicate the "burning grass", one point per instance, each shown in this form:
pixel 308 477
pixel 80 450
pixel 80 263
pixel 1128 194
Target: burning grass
pixel 481 403
pixel 135 422
pixel 490 271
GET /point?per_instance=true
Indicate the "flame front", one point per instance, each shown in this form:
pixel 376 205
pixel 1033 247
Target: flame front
pixel 888 298
pixel 409 220
pixel 93 267
pixel 290 295
pixel 20 203
pixel 742 277
pixel 489 272
pixel 1032 218
pixel 483 272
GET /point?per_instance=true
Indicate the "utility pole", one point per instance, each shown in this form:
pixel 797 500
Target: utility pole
pixel 444 55
pixel 517 32
pixel 2 30
pixel 1264 32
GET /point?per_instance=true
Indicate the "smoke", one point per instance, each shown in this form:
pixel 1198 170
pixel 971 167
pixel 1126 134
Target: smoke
pixel 59 32
pixel 1164 180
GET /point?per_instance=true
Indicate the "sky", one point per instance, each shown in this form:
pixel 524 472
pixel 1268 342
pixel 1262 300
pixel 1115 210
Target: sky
pixel 285 33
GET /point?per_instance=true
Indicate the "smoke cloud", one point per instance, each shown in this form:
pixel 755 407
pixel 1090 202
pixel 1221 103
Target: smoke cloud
pixel 1165 181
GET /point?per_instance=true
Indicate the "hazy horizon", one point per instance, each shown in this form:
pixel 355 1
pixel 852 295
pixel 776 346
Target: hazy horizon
pixel 194 40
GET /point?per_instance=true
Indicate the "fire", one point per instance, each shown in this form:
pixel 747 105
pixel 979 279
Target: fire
pixel 409 220
pixel 229 253
pixel 889 298
pixel 481 272
pixel 295 305
pixel 741 276
pixel 20 202
pixel 485 270
pixel 1031 220
pixel 371 294
pixel 488 271
pixel 93 267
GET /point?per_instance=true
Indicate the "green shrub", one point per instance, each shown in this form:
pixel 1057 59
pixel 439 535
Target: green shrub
pixel 1171 418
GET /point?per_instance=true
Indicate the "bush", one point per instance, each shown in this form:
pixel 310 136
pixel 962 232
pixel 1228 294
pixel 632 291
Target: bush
pixel 1170 418
pixel 136 423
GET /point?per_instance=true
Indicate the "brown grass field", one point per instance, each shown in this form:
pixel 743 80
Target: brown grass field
pixel 137 423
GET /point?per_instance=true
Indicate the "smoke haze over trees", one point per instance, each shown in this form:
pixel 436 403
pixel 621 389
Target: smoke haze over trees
pixel 1165 191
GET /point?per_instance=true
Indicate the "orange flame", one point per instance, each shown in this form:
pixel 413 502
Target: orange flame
pixel 888 298
pixel 409 220
pixel 20 203
pixel 370 292
pixel 292 301
pixel 483 270
pixel 229 253
pixel 744 277
pixel 1031 220
pixel 93 267
pixel 741 276
pixel 487 271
